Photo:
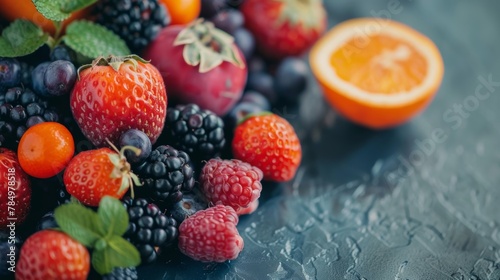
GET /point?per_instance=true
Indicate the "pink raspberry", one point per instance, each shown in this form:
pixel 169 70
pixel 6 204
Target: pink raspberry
pixel 210 235
pixel 231 182
pixel 249 209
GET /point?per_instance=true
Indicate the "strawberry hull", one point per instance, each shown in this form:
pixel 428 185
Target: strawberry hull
pixel 217 90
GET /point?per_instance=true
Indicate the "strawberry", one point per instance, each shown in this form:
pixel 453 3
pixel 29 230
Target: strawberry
pixel 200 64
pixel 116 94
pixel 269 143
pixel 15 190
pixel 93 174
pixel 284 27
pixel 50 254
pixel 211 235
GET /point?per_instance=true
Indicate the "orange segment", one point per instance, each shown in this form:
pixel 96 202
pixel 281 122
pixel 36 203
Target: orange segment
pixel 376 72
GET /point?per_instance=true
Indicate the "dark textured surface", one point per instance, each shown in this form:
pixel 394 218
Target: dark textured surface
pixel 387 204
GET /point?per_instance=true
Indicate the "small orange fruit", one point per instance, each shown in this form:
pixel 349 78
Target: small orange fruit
pixel 182 11
pixel 376 72
pixel 45 149
pixel 25 9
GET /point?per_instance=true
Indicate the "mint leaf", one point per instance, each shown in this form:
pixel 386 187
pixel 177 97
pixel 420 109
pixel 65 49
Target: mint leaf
pixel 118 253
pixel 113 216
pixel 101 261
pixel 93 40
pixel 52 9
pixel 123 253
pixel 70 6
pixel 79 222
pixel 20 38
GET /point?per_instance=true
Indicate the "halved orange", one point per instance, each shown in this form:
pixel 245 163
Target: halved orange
pixel 377 72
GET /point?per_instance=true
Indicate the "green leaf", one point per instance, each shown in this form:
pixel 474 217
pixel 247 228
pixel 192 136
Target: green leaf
pixel 20 38
pixel 113 216
pixel 123 253
pixel 101 261
pixel 79 222
pixel 69 6
pixel 93 40
pixel 119 253
pixel 52 9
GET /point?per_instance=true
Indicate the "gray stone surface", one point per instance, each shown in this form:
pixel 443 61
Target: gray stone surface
pixel 387 204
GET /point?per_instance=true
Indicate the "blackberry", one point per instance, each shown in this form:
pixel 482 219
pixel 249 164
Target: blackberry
pixel 122 273
pixel 200 133
pixel 137 22
pixel 167 174
pixel 21 108
pixel 149 230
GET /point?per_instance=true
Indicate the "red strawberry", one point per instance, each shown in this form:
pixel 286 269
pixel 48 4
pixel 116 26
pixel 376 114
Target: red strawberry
pixel 50 254
pixel 93 174
pixel 15 190
pixel 231 182
pixel 210 235
pixel 270 143
pixel 284 27
pixel 116 94
pixel 200 64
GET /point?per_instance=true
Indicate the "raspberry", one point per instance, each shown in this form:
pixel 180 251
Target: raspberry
pixel 231 182
pixel 249 209
pixel 211 235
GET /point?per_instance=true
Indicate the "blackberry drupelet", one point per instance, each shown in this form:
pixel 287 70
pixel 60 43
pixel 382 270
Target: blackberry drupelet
pixel 200 133
pixel 122 273
pixel 137 22
pixel 149 230
pixel 167 174
pixel 21 108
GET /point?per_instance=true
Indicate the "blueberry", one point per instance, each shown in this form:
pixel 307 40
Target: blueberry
pixel 62 52
pixel 240 111
pixel 256 64
pixel 210 8
pixel 189 204
pixel 138 139
pixel 234 3
pixel 37 79
pixel 10 72
pixel 262 82
pixel 291 79
pixel 60 77
pixel 256 98
pixel 229 21
pixel 48 221
pixel 245 41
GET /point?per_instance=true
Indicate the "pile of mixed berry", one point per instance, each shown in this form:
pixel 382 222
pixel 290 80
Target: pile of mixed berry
pixel 144 128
